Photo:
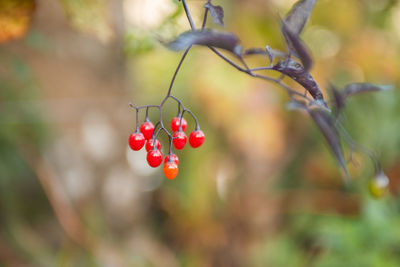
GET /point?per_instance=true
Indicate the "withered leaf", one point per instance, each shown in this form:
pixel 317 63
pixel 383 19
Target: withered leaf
pixel 357 88
pixel 297 46
pixel 294 70
pixel 339 100
pixel 298 16
pixel 217 13
pixel 326 125
pixel 223 40
pixel 351 89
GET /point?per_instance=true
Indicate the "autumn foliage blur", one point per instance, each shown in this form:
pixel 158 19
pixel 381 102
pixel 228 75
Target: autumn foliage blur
pixel 263 190
pixel 15 18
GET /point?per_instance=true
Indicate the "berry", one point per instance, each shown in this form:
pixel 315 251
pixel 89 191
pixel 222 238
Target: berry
pixel 136 141
pixel 170 170
pixel 150 144
pixel 147 129
pixel 196 138
pixel 176 122
pixel 154 158
pixel 174 158
pixel 179 140
pixel 379 185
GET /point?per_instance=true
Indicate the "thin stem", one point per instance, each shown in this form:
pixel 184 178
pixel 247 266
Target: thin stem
pixel 155 127
pixel 279 82
pixel 170 147
pixel 261 68
pixel 137 120
pixel 204 19
pixel 194 117
pixel 188 15
pixel 158 132
pixel 185 110
pixel 230 62
pixel 177 100
pixel 248 71
pixel 180 120
pixel 244 63
pixel 161 118
pixel 142 107
pixel 175 74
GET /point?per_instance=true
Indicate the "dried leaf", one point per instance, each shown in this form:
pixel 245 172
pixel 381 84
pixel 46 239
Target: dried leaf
pixel 338 98
pixel 298 16
pixel 217 13
pixel 15 18
pixel 294 70
pixel 357 88
pixel 297 46
pixel 326 124
pixel 227 41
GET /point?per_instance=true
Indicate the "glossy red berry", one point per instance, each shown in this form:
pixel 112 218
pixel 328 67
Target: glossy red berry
pixel 173 157
pixel 176 122
pixel 179 140
pixel 170 170
pixel 150 144
pixel 136 141
pixel 154 158
pixel 196 138
pixel 147 129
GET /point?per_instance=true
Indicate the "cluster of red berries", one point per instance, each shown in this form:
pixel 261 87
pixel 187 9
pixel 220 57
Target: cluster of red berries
pixel 153 146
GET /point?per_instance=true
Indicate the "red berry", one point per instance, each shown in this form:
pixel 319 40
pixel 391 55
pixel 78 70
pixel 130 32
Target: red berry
pixel 176 122
pixel 170 170
pixel 179 140
pixel 136 141
pixel 147 129
pixel 150 144
pixel 196 138
pixel 154 158
pixel 174 158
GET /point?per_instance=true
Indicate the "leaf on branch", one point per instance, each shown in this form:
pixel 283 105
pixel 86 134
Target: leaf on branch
pixel 217 13
pixel 340 97
pixel 298 16
pixel 295 71
pixel 357 88
pixel 223 40
pixel 297 46
pixel 339 100
pixel 326 124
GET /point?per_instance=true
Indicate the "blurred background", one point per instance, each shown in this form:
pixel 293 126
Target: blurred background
pixel 263 190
